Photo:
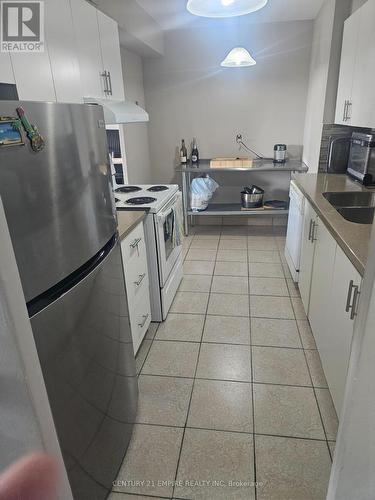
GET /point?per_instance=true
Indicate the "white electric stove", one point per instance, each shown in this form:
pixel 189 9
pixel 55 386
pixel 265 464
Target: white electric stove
pixel 148 196
pixel 163 203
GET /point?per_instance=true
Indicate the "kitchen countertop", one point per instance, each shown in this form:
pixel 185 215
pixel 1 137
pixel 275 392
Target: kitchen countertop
pixel 351 237
pixel 128 220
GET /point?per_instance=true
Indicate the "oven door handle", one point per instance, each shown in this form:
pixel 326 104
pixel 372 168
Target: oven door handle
pixel 160 217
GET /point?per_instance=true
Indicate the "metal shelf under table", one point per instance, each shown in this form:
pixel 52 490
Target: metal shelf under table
pixel 224 209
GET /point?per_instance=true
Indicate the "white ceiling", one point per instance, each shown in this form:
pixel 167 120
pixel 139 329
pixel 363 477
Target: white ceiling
pixel 172 14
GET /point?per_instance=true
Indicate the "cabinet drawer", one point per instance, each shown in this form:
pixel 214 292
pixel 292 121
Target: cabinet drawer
pixel 135 264
pixel 140 318
pixel 133 246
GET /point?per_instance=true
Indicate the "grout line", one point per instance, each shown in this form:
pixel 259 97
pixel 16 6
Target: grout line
pixel 252 381
pixel 194 427
pixel 232 343
pixel 193 384
pixel 230 380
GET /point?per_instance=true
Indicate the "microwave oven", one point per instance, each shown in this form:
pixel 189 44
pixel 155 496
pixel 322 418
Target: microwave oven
pixel 361 164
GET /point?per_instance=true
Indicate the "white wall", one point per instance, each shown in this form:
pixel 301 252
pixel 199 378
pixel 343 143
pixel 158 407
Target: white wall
pixel 320 58
pixel 356 4
pixel 135 134
pixel 188 93
pixel 138 30
pixel 324 72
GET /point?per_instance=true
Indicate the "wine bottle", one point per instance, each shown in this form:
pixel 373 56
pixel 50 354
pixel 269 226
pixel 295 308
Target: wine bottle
pixel 183 152
pixel 195 152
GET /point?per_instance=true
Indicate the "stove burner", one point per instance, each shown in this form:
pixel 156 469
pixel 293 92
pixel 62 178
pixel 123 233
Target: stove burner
pixel 117 200
pixel 156 189
pixel 128 189
pixel 142 200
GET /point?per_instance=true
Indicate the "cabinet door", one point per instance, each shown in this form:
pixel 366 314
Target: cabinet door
pixel 111 55
pixel 307 255
pixel 320 308
pixel 62 51
pixel 33 76
pixel 88 45
pixel 335 354
pixel 363 98
pixel 6 70
pixel 347 67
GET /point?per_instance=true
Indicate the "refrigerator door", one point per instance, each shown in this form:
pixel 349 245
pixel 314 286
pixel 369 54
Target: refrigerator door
pixel 85 349
pixel 58 202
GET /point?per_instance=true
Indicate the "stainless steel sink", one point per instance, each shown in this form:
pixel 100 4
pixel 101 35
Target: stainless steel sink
pixel 354 206
pixel 351 199
pixel 359 215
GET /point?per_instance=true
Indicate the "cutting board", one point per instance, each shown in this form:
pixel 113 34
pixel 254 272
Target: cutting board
pixel 231 162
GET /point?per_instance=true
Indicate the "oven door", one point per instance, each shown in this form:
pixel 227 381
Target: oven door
pixel 165 225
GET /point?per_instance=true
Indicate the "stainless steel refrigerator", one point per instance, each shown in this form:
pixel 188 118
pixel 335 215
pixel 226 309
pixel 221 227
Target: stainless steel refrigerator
pixel 55 183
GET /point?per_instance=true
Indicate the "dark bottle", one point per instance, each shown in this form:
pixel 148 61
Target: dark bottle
pixel 195 152
pixel 183 153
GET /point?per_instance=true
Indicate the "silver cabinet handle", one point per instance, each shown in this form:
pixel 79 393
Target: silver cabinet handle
pixel 356 295
pixel 349 297
pixel 310 229
pixel 313 232
pixel 352 305
pixel 141 278
pixel 109 83
pixel 344 115
pixel 145 318
pixel 135 243
pixel 104 75
pixel 349 108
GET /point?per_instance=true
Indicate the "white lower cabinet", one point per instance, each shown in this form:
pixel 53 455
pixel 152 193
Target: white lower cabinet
pixel 321 284
pixel 343 304
pixel 137 283
pixel 307 254
pixel 330 288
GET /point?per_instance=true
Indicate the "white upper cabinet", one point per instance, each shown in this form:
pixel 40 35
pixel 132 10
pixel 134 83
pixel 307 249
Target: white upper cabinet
pixel 62 51
pixel 99 55
pixel 111 55
pixel 88 47
pixel 363 95
pixel 355 99
pixel 347 65
pixel 33 76
pixel 6 70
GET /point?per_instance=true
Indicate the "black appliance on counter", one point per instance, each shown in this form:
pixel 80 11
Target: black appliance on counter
pixel 362 158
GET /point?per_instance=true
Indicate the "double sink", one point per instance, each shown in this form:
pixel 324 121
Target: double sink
pixel 354 206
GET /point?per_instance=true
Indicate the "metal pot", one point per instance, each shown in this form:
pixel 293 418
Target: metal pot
pixel 252 197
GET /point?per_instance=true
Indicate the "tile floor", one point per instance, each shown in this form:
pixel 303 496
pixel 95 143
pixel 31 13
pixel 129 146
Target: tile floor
pixel 232 391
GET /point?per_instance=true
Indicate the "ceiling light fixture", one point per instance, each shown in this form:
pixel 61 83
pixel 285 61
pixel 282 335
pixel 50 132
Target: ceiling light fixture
pixel 224 8
pixel 238 57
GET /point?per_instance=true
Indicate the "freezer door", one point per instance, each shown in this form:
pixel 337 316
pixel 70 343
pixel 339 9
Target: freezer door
pixel 58 202
pixel 85 349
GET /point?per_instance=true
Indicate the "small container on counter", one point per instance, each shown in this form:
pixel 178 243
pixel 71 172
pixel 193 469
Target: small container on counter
pixel 279 153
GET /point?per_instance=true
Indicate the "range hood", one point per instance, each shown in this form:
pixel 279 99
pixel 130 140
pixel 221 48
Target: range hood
pixel 119 111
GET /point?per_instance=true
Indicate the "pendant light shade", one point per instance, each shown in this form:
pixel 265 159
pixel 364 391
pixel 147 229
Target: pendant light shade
pixel 238 57
pixel 224 8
